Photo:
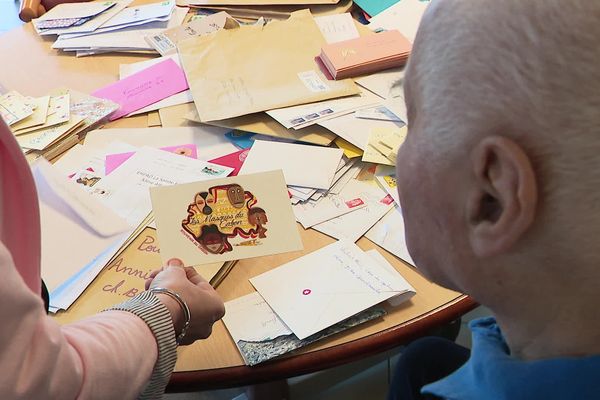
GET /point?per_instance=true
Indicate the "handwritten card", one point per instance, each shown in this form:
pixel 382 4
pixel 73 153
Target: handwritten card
pixel 113 161
pixel 225 219
pixel 329 285
pixel 145 87
pixel 337 27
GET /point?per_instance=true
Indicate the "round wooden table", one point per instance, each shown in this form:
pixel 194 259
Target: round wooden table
pixel 31 67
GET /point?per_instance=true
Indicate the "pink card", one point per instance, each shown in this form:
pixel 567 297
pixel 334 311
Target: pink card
pixel 144 88
pixel 233 160
pixel 113 161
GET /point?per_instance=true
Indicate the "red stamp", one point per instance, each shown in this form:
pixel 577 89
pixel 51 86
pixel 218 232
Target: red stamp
pixel 306 292
pixel 387 200
pixel 355 203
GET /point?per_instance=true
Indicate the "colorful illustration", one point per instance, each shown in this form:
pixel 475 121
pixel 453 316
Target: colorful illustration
pixel 223 217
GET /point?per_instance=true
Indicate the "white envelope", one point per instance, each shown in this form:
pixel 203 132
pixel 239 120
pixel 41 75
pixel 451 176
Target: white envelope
pixel 302 165
pixel 304 115
pixel 353 225
pixel 402 297
pixel 126 70
pixel 91 25
pixel 76 227
pixel 337 27
pixel 389 234
pixel 129 38
pixel 331 206
pixel 322 288
pixel 386 84
pixel 75 10
pixel 404 16
pixel 209 140
pixel 356 130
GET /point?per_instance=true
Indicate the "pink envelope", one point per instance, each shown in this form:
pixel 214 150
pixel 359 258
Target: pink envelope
pixel 144 88
pixel 233 160
pixel 113 161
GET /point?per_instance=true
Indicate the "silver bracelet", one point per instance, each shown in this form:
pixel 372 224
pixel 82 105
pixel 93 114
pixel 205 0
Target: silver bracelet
pixel 186 310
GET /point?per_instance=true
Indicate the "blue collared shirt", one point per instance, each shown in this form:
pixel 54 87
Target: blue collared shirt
pixel 492 374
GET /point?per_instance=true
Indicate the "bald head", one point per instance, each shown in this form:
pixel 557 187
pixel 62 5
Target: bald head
pixel 527 70
pixel 499 177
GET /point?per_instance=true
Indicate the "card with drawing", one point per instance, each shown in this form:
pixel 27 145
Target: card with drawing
pixel 225 219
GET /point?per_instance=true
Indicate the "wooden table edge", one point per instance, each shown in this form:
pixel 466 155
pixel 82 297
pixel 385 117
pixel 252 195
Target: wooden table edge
pixel 305 363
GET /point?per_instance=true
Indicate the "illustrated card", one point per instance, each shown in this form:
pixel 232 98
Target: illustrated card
pixel 225 219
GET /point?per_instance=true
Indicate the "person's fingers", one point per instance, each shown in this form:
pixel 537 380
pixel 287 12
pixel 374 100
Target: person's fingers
pixel 175 262
pixel 194 276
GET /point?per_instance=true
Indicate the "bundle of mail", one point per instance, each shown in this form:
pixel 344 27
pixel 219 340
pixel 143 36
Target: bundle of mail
pixel 49 125
pixel 98 27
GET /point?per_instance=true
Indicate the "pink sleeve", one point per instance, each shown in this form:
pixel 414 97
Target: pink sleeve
pixel 110 355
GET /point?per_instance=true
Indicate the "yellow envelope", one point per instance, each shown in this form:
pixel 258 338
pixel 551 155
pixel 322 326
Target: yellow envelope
pixel 257 68
pixel 378 149
pixel 350 150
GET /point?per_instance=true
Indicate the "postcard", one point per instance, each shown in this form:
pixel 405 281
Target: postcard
pixel 389 234
pixel 302 165
pixel 14 107
pixel 144 88
pixel 225 219
pixel 330 206
pixel 113 161
pixel 260 335
pixel 317 290
pixel 125 191
pixel 353 225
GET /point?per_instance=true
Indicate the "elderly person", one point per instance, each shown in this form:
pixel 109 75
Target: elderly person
pixel 123 353
pixel 500 171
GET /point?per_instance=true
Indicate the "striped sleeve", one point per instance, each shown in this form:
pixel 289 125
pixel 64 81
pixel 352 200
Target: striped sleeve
pixel 150 309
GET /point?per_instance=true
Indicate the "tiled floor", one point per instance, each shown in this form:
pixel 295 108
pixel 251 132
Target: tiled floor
pixel 366 379
pixel 9 19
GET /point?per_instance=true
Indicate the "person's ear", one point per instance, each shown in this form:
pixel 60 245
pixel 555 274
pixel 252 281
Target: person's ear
pixel 502 202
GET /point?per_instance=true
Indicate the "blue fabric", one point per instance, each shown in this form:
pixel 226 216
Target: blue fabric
pixel 492 374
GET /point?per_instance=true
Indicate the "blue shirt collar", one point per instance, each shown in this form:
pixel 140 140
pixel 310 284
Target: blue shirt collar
pixel 491 373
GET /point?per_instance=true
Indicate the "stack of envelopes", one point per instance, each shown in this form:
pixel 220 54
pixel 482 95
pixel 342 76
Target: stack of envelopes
pixel 366 55
pixel 49 125
pixel 108 26
pixel 312 297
